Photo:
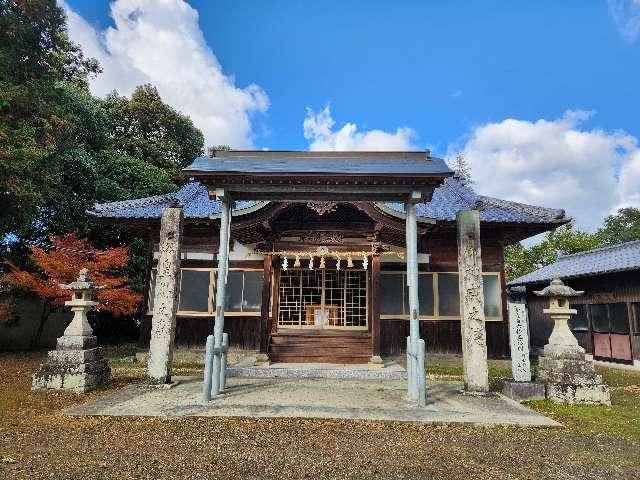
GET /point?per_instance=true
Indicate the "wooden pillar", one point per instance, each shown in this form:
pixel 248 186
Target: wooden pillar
pixel 165 303
pixel 265 327
pixel 275 291
pixel 376 360
pixel 472 322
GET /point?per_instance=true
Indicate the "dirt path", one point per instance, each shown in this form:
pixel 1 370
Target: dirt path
pixel 37 442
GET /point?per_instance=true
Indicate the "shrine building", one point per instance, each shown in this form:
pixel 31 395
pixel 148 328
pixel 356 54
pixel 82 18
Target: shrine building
pixel 317 266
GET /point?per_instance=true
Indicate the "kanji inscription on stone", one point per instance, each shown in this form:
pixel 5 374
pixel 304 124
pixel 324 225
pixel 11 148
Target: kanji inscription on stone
pixel 519 337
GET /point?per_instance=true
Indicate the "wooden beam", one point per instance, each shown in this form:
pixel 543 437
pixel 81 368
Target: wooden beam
pixel 265 328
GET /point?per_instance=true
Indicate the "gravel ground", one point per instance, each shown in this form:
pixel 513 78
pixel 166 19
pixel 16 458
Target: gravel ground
pixel 36 441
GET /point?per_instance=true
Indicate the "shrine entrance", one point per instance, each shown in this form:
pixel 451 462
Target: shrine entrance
pixel 323 299
pixel 402 177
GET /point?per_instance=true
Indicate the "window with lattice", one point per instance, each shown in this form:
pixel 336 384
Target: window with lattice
pixel 323 298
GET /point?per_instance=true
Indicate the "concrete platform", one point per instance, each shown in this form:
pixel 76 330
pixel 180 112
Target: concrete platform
pixel 390 371
pixel 320 398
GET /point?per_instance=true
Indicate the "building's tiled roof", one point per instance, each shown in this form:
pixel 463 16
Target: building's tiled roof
pixel 338 163
pixel 448 199
pixel 193 197
pixel 452 196
pixel 617 258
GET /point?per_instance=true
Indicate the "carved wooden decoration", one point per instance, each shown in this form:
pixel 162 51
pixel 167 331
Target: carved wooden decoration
pixel 322 207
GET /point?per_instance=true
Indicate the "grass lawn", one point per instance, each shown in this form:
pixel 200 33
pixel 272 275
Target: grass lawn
pixel 36 441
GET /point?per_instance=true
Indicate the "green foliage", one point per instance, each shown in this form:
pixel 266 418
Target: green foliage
pixel 121 177
pixel 620 420
pixel 147 128
pixel 36 60
pixel 62 150
pixel 462 169
pixel 520 260
pixel 138 259
pixel 623 226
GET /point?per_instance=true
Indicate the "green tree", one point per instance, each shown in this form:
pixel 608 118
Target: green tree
pixel 623 226
pixel 462 169
pixel 37 61
pixel 147 128
pixel 122 177
pixel 520 260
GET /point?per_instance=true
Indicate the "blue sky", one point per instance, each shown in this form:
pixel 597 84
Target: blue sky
pixel 494 80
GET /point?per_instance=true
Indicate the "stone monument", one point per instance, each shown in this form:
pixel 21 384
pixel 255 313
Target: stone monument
pixel 77 364
pixel 165 303
pixel 520 387
pixel 563 367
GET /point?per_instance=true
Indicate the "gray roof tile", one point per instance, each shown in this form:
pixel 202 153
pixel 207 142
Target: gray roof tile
pixel 385 164
pixel 452 196
pixel 448 199
pixel 193 197
pixel 617 258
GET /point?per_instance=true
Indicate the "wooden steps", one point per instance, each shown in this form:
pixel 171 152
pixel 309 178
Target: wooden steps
pixel 320 346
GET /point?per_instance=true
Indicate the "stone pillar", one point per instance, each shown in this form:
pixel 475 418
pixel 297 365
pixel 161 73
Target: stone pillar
pixel 474 337
pixel 563 367
pixel 519 334
pixel 165 303
pixel 415 366
pixel 77 364
pixel 520 387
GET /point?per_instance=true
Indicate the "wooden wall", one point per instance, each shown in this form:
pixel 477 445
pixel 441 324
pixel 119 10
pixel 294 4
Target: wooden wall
pixel 441 336
pixel 610 288
pixel 191 332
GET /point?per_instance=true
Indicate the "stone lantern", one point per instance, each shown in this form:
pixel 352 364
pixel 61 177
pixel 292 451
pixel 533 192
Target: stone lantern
pixel 77 363
pixel 563 367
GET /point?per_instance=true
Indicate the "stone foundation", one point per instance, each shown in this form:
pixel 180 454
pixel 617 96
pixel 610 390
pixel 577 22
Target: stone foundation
pixel 77 365
pixel 572 379
pixel 521 391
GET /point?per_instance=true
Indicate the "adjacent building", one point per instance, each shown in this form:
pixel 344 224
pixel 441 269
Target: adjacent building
pixel 608 321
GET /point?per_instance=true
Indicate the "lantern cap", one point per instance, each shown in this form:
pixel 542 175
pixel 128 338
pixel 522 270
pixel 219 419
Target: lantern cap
pixel 557 288
pixel 82 283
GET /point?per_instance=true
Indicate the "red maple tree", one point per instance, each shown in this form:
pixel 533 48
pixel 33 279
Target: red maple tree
pixel 61 263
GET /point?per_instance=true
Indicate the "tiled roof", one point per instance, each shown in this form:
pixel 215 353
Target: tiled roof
pixel 617 258
pixel 193 197
pixel 339 163
pixel 452 196
pixel 449 198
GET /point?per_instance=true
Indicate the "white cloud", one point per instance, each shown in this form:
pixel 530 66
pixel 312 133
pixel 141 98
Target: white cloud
pixel 318 130
pixel 160 42
pixel 556 163
pixel 626 15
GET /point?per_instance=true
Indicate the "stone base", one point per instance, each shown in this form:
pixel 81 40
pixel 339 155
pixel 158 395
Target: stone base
pixel 594 394
pixel 477 393
pixel 375 362
pixel 72 368
pixel 262 360
pixel 160 386
pixel 572 379
pixel 521 391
